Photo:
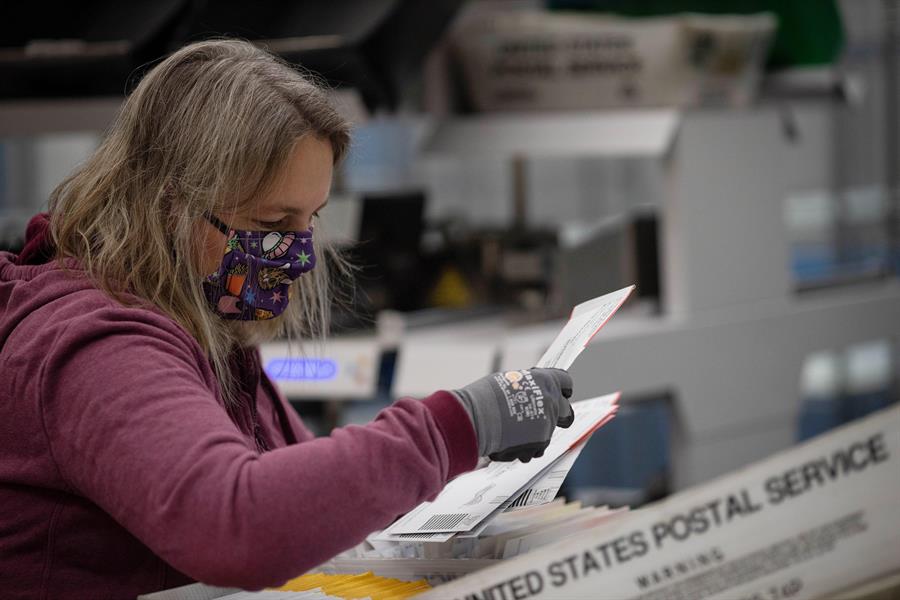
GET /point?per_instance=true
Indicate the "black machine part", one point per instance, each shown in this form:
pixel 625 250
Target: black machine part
pixel 100 47
pixel 71 49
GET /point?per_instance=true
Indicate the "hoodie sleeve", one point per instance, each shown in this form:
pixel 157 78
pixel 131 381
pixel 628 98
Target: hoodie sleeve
pixel 134 427
pixel 299 429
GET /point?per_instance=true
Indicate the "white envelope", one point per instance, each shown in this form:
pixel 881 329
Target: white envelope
pixel 471 497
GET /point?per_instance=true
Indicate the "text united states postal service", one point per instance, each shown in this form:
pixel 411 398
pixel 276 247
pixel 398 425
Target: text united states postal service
pixel 807 522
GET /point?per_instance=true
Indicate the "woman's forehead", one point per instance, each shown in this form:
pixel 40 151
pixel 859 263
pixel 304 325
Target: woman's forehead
pixel 304 182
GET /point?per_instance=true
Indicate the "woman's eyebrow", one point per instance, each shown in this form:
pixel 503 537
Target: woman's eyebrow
pixel 292 210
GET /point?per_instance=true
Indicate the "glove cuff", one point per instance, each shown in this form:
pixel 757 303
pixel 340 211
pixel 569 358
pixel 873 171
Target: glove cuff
pixel 457 430
pixel 485 420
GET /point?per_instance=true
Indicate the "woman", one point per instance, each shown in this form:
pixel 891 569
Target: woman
pixel 142 445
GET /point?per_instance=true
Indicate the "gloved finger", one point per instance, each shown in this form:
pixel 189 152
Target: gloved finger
pixel 540 451
pixel 566 415
pixel 523 452
pixel 564 380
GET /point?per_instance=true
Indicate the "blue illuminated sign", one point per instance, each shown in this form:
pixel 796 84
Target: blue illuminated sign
pixel 302 369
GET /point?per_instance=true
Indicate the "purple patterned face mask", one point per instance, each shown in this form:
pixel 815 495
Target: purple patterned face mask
pixel 254 279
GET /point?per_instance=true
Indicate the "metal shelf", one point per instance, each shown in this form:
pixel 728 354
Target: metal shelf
pixel 610 133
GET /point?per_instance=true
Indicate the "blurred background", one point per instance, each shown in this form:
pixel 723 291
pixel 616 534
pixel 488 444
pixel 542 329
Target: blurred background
pixel 738 160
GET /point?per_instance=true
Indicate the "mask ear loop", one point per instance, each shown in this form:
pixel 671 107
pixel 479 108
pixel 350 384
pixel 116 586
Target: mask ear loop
pixel 218 224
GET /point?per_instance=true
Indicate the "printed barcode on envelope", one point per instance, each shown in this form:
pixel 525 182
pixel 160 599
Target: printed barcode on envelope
pixel 522 500
pixel 443 522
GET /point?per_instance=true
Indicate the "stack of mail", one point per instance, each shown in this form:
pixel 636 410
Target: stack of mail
pixel 511 533
pixel 468 503
pixel 315 586
pixel 363 585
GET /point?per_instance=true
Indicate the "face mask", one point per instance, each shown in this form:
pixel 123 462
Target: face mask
pixel 253 281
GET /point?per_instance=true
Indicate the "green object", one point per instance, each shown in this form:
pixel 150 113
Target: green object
pixel 809 31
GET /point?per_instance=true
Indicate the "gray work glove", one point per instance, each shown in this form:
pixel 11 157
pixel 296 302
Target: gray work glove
pixel 515 412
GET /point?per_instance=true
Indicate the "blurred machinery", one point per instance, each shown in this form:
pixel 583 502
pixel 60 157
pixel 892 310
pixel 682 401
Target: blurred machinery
pixel 63 49
pixel 732 334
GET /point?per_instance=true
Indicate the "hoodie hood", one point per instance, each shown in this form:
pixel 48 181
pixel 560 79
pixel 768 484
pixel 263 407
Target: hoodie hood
pixel 39 247
pixel 34 278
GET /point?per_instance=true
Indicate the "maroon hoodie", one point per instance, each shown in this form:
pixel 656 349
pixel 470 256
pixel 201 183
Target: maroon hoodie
pixel 121 471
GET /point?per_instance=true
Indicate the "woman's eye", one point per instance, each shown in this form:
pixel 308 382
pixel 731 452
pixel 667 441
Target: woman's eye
pixel 270 224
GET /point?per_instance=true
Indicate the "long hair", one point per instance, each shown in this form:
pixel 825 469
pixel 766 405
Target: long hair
pixel 206 131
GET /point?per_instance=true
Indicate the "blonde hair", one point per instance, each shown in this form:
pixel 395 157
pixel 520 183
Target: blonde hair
pixel 206 131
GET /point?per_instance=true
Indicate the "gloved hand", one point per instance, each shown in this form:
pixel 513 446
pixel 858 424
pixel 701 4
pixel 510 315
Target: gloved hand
pixel 515 412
